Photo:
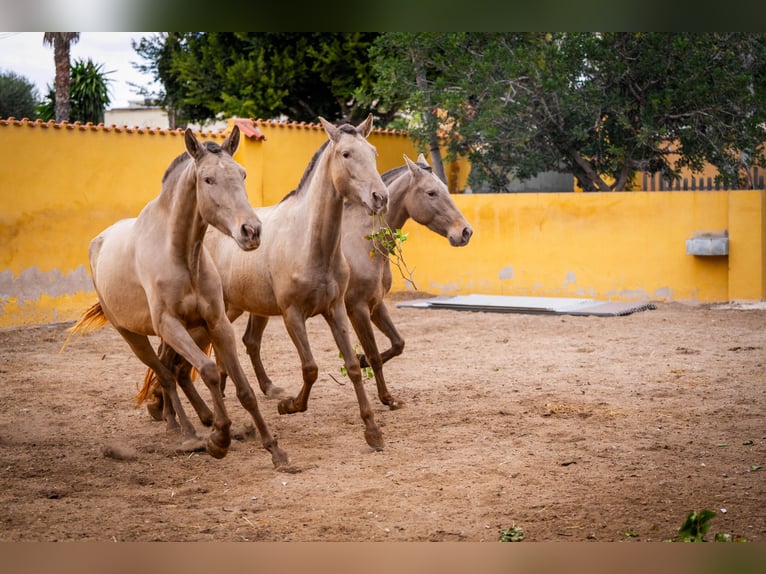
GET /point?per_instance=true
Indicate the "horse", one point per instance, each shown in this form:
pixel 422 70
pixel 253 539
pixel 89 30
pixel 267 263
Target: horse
pixel 415 192
pixel 299 271
pixel 153 276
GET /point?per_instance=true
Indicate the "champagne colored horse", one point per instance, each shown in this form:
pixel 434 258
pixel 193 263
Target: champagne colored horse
pixel 299 271
pixel 154 277
pixel 414 191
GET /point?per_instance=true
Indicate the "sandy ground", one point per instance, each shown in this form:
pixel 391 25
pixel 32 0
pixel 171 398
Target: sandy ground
pixel 569 428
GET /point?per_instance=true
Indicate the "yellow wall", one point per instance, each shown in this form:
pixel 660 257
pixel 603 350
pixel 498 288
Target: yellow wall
pixel 61 185
pixel 608 246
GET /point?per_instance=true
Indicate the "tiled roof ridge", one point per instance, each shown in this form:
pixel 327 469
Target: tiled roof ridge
pixel 250 130
pixel 100 127
pixel 314 125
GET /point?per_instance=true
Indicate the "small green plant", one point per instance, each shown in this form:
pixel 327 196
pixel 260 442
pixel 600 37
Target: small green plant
pixel 512 534
pixel 696 526
pixel 388 243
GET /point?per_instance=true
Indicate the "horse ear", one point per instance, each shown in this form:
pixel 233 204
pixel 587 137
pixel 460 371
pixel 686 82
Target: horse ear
pixel 365 127
pixel 332 131
pixel 410 164
pixel 231 143
pixel 193 146
pixel 422 159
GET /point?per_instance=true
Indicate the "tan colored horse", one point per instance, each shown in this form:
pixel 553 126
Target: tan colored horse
pixel 414 191
pixel 299 270
pixel 154 277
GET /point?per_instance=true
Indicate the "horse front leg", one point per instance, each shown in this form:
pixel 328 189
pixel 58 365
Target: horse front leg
pixel 337 319
pixel 252 338
pixel 359 315
pixel 225 346
pixel 382 320
pixel 173 332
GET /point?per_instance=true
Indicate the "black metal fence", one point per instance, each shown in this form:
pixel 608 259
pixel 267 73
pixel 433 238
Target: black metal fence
pixel 655 182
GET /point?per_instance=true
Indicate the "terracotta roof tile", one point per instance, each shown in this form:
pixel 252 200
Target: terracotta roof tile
pixel 248 126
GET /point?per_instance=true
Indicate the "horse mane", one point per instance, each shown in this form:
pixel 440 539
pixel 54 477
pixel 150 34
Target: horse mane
pixel 396 172
pixel 345 128
pixel 212 147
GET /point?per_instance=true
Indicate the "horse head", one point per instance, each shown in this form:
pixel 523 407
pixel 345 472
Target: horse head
pixel 353 165
pixel 428 201
pixel 221 195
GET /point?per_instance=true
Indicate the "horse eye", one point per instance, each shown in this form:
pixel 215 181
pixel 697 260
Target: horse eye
pixel 209 180
pixel 431 193
pixel 347 154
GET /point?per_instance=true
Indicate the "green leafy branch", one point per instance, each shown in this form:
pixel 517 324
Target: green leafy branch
pixel 388 243
pixel 367 372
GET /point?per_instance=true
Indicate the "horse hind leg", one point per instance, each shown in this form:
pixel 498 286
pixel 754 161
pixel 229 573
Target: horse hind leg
pixel 142 348
pixel 182 370
pixel 296 328
pixel 359 316
pixel 256 324
pixel 382 320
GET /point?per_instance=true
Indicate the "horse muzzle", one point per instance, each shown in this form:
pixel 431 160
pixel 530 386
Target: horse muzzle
pixel 249 236
pixel 461 237
pixel 379 203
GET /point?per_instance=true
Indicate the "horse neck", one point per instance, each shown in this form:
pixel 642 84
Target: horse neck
pixel 324 209
pixel 397 214
pixel 185 226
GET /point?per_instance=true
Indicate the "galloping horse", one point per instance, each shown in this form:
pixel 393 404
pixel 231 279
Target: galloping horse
pixel 299 271
pixel 414 191
pixel 154 277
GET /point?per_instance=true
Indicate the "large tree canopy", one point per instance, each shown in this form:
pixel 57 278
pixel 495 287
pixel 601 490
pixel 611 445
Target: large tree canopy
pixel 261 74
pixel 602 106
pixel 599 105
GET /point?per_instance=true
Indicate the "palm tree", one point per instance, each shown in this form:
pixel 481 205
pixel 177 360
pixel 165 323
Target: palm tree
pixel 61 41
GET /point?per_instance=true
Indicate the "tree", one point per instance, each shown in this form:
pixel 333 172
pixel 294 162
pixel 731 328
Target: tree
pixel 18 96
pixel 61 42
pixel 599 105
pixel 89 94
pixel 262 74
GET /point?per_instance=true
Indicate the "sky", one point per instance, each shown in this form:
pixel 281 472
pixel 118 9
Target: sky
pixel 25 54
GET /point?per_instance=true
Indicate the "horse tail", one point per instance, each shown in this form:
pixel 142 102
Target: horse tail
pixel 151 379
pixel 92 318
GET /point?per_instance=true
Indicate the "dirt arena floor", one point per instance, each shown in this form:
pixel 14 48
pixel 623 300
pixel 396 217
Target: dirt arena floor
pixel 566 428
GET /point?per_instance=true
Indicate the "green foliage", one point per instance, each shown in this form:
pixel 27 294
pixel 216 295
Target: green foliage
pixel 695 526
pixel 262 74
pixel 18 96
pixel 598 105
pixel 387 243
pixel 88 94
pixel 367 372
pixel 513 534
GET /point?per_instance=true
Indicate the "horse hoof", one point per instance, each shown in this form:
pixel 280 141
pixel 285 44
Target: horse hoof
pixel 155 410
pixel 394 404
pixel 217 448
pixel 374 439
pixel 279 458
pixel 286 406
